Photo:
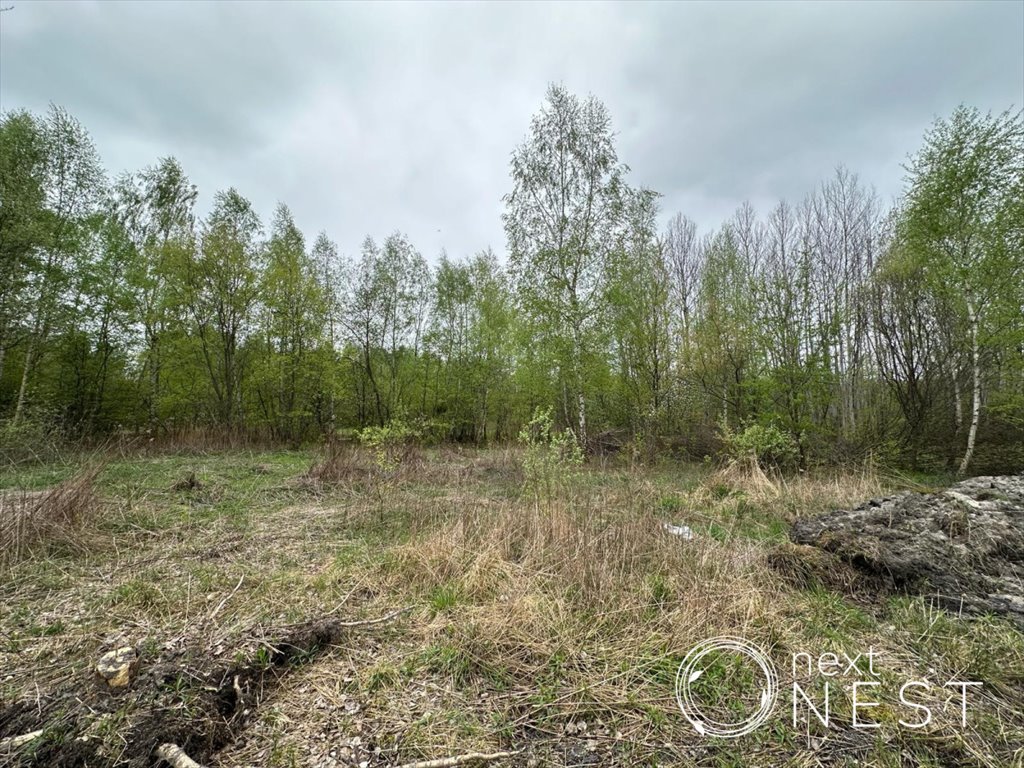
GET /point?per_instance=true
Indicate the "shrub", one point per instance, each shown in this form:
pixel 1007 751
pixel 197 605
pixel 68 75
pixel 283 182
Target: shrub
pixel 551 457
pixel 33 439
pixel 342 464
pixel 391 444
pixel 764 444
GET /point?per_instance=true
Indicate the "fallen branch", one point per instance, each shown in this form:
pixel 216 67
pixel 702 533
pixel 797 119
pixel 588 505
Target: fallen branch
pixel 449 762
pixel 13 742
pixel 175 755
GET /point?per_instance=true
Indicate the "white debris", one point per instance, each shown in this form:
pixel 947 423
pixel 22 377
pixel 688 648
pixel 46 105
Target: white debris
pixel 679 530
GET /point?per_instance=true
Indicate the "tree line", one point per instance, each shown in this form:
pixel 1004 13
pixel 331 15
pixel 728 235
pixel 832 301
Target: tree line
pixel 847 327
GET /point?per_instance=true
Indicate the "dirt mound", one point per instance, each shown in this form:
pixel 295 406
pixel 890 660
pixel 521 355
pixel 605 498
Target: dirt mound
pixel 197 704
pixel 963 546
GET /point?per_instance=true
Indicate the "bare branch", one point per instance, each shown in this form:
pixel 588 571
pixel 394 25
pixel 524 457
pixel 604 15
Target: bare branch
pixel 13 742
pixel 175 755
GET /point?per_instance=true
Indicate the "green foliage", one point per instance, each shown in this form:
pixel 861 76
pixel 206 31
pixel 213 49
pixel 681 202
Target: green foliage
pixel 469 330
pixel 444 598
pixel 293 364
pixel 566 169
pixel 963 224
pixel 637 296
pixel 391 443
pixel 552 457
pixel 32 439
pixel 764 444
pixel 838 328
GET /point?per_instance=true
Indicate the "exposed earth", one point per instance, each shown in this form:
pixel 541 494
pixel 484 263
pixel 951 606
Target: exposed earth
pixel 962 547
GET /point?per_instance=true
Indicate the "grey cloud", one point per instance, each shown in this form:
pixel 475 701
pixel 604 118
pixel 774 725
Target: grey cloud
pixel 370 118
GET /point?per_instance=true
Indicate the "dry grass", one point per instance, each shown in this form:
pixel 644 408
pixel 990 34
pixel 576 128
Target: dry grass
pixel 589 555
pixel 554 623
pixel 194 441
pixel 804 491
pixel 346 465
pixel 32 523
pixel 341 464
pixel 593 602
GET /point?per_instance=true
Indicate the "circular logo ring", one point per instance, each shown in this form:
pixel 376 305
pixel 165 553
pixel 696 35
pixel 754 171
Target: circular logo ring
pixel 690 670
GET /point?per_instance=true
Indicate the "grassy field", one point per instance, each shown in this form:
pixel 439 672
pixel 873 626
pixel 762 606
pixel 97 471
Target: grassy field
pixel 549 621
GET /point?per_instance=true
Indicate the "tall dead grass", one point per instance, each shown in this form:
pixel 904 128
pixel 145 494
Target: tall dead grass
pixel 591 594
pixel 529 568
pixel 196 440
pixel 806 491
pixel 34 522
pixel 342 463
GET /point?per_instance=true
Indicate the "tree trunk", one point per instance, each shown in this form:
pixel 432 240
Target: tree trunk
pixel 958 405
pixel 583 421
pixel 154 380
pixel 976 395
pixel 20 406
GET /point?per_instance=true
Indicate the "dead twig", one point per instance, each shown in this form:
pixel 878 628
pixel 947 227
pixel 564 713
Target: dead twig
pixel 239 694
pixel 467 759
pixel 13 742
pixel 175 755
pixel 333 626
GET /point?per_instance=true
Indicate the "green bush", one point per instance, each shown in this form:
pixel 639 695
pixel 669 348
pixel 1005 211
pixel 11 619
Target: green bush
pixel 765 444
pixel 391 444
pixel 552 457
pixel 33 439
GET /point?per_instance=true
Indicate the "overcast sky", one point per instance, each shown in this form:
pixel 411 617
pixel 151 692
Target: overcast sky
pixel 365 119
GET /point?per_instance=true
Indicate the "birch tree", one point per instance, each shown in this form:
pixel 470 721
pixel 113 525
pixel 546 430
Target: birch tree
pixel 683 257
pixel 329 268
pixel 71 184
pixel 963 216
pixel 639 312
pixel 561 218
pixel 295 313
pixel 220 283
pixel 155 209
pixel 23 158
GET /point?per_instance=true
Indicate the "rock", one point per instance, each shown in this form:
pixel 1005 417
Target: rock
pixel 964 547
pixel 116 667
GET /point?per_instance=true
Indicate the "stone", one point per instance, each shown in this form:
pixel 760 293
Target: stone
pixel 962 547
pixel 116 667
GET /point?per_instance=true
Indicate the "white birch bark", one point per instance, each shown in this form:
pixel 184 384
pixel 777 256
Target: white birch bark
pixel 976 388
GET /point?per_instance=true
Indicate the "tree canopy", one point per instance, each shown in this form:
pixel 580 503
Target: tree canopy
pixel 843 328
